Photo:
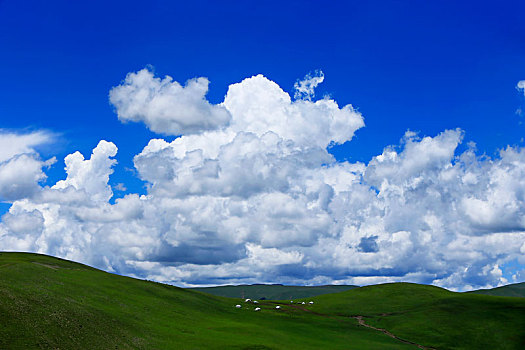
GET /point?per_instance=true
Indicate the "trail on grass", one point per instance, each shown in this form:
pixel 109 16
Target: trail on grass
pixel 53 267
pixel 363 323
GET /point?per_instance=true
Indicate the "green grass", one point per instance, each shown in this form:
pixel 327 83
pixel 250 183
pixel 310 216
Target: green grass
pixel 511 290
pixel 433 316
pixel 272 291
pixel 48 303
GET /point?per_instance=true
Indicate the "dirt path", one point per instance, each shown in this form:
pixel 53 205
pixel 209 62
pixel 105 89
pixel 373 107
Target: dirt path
pixel 362 323
pixel 53 267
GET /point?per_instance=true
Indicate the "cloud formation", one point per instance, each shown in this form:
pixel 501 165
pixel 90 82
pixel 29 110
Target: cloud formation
pixel 13 144
pixel 258 198
pixel 91 176
pixel 305 88
pixel 165 106
pixel 20 164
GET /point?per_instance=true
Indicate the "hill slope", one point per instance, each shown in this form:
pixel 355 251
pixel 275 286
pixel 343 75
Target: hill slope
pixel 272 291
pixel 52 303
pixel 511 290
pixel 434 316
pixel 49 303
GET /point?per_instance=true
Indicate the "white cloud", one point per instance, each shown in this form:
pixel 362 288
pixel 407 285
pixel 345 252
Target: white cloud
pixel 120 187
pixel 259 105
pixel 165 106
pixel 305 88
pixel 272 256
pixel 20 164
pixel 19 177
pixel 262 200
pixel 521 85
pixel 13 144
pixel 91 175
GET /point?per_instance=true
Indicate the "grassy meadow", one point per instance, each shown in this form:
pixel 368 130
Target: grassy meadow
pixel 49 303
pixel 511 290
pixel 272 291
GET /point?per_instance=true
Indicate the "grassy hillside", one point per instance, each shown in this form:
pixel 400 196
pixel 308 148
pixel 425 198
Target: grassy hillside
pixel 511 290
pixel 48 303
pixel 272 291
pixel 433 316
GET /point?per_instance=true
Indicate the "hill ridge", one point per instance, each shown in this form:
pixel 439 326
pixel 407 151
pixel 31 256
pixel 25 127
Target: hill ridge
pixel 75 306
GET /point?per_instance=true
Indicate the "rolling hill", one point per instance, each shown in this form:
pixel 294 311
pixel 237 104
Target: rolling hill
pixel 511 290
pixel 272 291
pixel 50 303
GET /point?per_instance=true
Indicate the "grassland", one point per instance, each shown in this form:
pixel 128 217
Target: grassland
pixel 511 290
pixel 272 291
pixel 434 316
pixel 48 303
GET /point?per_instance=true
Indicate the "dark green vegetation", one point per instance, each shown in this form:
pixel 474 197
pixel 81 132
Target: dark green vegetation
pixel 511 290
pixel 51 303
pixel 272 291
pixel 433 316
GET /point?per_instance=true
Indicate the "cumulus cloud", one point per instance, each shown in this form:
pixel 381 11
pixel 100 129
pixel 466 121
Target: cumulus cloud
pixel 91 175
pixel 165 106
pixel 258 105
pixel 19 177
pixel 20 164
pixel 261 199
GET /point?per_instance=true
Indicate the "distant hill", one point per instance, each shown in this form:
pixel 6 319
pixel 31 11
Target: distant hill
pixel 434 317
pixel 272 291
pixel 510 290
pixel 50 303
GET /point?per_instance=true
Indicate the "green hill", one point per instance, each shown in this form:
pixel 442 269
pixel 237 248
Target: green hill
pixel 511 290
pixel 272 291
pixel 49 303
pixel 433 316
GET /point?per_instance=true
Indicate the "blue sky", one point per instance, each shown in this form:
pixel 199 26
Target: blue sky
pixel 403 65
